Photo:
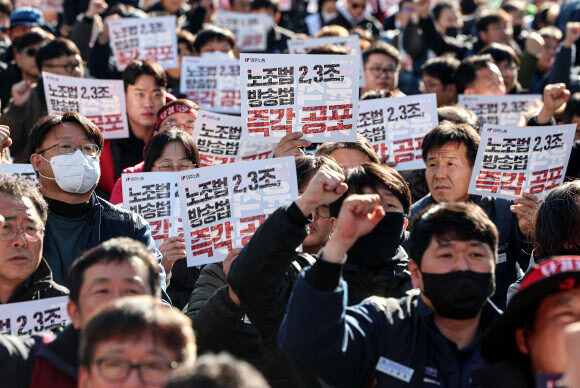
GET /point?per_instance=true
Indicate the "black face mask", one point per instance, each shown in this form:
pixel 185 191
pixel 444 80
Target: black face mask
pixel 517 31
pixel 452 31
pixel 381 243
pixel 459 294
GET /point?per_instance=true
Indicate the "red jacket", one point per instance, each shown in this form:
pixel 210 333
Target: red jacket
pixel 117 194
pixel 56 364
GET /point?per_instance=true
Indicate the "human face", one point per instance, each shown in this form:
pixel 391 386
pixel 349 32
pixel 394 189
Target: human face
pixel 174 154
pixel 216 45
pixel 509 72
pixel 347 158
pixel 171 6
pixel 143 100
pixel 69 65
pixel 319 230
pixel 448 173
pixel 242 6
pixel 183 121
pixel 546 344
pixel 18 31
pixel 27 62
pixel 144 351
pixel 489 82
pixel 449 18
pixel 389 202
pixel 357 8
pixel 104 282
pixel 19 257
pixel 547 55
pixel 497 33
pixel 381 73
pixel 446 94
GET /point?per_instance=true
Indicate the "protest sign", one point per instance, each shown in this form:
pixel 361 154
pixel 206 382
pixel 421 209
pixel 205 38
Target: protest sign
pixel 219 140
pixel 151 38
pixel 315 94
pixel 21 171
pixel 43 5
pixel 515 160
pixel 501 110
pixel 152 195
pixel 101 101
pixel 222 206
pixel 396 126
pixel 214 85
pixel 34 317
pixel 250 29
pixel 302 46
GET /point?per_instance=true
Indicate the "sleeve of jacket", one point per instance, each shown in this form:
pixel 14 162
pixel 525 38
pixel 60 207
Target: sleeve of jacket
pixel 81 34
pixel 437 42
pixel 258 273
pixel 210 308
pixel 563 64
pixel 412 40
pixel 528 62
pixel 340 344
pixel 17 359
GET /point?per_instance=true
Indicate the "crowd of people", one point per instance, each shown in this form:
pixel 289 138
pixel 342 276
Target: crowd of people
pixel 371 277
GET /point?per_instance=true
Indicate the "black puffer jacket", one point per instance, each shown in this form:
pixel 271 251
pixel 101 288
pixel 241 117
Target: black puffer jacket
pixel 40 286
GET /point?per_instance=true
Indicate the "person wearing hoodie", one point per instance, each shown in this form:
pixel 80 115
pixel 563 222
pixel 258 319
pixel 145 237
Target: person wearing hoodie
pixel 356 13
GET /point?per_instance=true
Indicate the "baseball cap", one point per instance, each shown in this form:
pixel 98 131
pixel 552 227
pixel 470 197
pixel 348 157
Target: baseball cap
pixel 555 275
pixel 26 16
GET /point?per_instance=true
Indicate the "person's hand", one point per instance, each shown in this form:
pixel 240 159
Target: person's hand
pixel 421 8
pixel 555 95
pixel 290 145
pixel 21 92
pixel 525 209
pixel 325 187
pixel 172 249
pixel 96 7
pixel 226 265
pixel 390 163
pixel 359 214
pixel 535 43
pixel 5 140
pixel 572 33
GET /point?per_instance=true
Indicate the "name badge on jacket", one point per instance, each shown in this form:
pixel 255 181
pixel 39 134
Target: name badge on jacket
pixel 395 369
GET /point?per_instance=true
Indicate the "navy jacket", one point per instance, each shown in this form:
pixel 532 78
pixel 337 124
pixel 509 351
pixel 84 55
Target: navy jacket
pixel 384 342
pixel 512 248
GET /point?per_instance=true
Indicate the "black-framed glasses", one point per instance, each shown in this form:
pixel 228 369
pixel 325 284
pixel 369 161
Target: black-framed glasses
pixel 117 370
pixel 31 51
pixel 67 148
pixel 512 67
pixel 31 232
pixel 181 166
pixel 323 211
pixel 377 70
pixel 357 5
pixel 68 67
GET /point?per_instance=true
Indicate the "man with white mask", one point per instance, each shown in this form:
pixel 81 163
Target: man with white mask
pixel 65 151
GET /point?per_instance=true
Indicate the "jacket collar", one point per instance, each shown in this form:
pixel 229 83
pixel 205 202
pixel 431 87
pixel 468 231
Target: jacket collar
pixel 38 281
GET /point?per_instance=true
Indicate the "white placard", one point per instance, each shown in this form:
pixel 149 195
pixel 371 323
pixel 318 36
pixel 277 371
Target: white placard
pixel 214 85
pixel 315 94
pixel 153 196
pixel 101 101
pixel 515 160
pixel 42 5
pixel 21 171
pixel 250 29
pixel 397 126
pixel 34 317
pixel 151 38
pixel 222 206
pixel 219 140
pixel 302 46
pixel 501 110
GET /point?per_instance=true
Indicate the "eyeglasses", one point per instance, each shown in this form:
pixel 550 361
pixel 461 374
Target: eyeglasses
pixel 183 127
pixel 357 5
pixel 69 67
pixel 323 211
pixel 181 166
pixel 31 51
pixel 377 71
pixel 31 232
pixel 117 370
pixel 512 67
pixel 67 148
pixel 428 86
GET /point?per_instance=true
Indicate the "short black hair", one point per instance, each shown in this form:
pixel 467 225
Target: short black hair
pixel 447 132
pixel 440 6
pixel 257 5
pixel 6 7
pixel 116 250
pixel 55 49
pixel 374 176
pixel 466 73
pixel 572 108
pixel 362 144
pixel 157 144
pixel 382 48
pixel 187 38
pixel 140 67
pixel 501 52
pixel 30 38
pixel 491 17
pixel 459 115
pixel 211 33
pixel 441 68
pixel 22 189
pixel 46 124
pixel 308 165
pixel 450 221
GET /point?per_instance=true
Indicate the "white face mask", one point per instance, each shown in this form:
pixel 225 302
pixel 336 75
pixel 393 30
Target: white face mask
pixel 328 16
pixel 75 173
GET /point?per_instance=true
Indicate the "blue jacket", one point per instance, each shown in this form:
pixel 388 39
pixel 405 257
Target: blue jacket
pixel 384 342
pixel 512 248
